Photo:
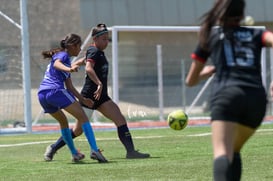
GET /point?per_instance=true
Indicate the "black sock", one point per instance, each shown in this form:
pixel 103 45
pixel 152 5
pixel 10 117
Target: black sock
pixel 221 169
pixel 125 137
pixel 236 167
pixel 60 142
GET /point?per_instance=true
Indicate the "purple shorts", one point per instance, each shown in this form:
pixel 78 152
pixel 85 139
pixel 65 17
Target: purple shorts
pixel 55 99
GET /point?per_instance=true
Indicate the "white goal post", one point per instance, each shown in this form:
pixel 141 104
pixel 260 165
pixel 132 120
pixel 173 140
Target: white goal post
pixel 26 79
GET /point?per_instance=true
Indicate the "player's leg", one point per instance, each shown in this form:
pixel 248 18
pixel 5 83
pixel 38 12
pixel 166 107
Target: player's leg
pixel 110 110
pixel 255 104
pixel 222 141
pixel 227 158
pixel 83 124
pixel 51 100
pixel 243 133
pixel 82 119
pixel 66 134
pixel 52 149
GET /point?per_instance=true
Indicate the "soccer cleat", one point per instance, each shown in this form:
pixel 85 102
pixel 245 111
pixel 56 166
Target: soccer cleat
pixel 77 157
pixel 96 155
pixel 49 153
pixel 136 154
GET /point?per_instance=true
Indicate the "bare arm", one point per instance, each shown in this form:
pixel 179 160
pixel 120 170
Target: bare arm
pixel 93 76
pixel 71 88
pixel 60 66
pixel 68 83
pixel 198 71
pixel 268 38
pixel 91 73
pixel 79 62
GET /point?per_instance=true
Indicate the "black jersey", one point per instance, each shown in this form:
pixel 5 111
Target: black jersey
pixel 101 70
pixel 236 54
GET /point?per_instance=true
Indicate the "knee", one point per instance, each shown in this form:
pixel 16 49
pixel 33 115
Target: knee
pixel 77 131
pixel 120 122
pixel 118 119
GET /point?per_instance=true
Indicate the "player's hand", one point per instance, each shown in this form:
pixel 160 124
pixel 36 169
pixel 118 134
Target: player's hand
pixel 88 102
pixel 80 61
pixel 74 68
pixel 208 70
pixel 97 93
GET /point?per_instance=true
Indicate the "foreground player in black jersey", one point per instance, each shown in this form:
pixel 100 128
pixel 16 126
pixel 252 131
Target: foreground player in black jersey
pixel 95 88
pixel 238 100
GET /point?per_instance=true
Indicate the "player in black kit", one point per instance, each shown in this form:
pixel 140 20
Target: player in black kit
pixel 95 88
pixel 238 100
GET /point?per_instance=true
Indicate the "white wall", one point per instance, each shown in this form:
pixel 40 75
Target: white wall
pixel 159 12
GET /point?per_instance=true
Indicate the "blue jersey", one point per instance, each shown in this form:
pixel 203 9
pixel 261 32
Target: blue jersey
pixel 53 78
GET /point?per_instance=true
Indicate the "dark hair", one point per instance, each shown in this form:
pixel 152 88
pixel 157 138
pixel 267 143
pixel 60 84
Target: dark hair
pixel 223 11
pixel 70 39
pixel 99 30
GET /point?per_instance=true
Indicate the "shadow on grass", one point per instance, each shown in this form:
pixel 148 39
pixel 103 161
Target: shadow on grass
pixel 88 162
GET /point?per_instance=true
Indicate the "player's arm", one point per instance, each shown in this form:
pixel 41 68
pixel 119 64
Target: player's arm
pixel 268 39
pixel 91 72
pixel 93 76
pixel 71 88
pixel 79 62
pixel 60 66
pixel 198 71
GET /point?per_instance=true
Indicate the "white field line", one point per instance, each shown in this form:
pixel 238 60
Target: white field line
pixel 24 144
pixel 109 139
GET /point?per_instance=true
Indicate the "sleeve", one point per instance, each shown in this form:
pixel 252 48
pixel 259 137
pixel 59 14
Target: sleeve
pixel 65 59
pixel 200 54
pixel 92 55
pixel 61 56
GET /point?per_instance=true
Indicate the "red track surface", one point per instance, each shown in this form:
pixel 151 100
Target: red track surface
pixel 141 124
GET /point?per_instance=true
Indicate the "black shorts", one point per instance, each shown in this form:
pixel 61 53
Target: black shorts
pixel 243 105
pixel 97 103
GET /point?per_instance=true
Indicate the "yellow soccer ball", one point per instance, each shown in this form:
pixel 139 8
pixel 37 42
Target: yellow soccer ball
pixel 177 120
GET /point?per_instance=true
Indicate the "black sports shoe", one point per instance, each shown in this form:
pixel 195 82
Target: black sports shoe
pixel 97 155
pixel 77 157
pixel 49 153
pixel 136 154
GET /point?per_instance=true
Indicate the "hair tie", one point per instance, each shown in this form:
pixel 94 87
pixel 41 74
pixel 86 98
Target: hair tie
pixel 62 43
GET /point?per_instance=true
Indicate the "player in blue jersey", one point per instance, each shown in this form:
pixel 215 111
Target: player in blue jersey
pixel 238 99
pixel 57 93
pixel 95 88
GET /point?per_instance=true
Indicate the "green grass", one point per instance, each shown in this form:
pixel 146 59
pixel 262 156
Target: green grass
pixel 176 155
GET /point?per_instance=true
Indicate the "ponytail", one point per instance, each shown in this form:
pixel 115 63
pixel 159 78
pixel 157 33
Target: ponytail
pixel 222 12
pixel 210 19
pixel 70 39
pixel 50 53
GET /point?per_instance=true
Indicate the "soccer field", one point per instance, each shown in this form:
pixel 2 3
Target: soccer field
pixel 176 155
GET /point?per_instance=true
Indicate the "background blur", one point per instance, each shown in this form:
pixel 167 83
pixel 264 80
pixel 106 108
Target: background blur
pixel 50 20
